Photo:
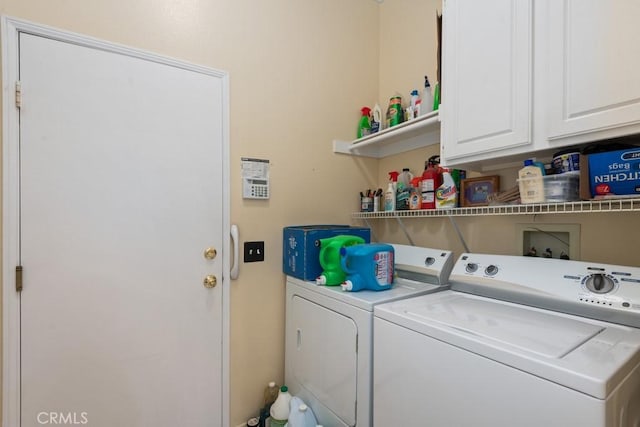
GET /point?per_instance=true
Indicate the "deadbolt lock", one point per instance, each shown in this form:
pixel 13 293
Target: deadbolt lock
pixel 210 253
pixel 210 281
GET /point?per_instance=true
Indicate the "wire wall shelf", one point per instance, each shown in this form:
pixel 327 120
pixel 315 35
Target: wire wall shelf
pixel 592 206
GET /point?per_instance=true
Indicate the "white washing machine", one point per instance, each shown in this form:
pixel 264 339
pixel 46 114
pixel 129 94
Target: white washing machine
pixel 329 335
pixel 499 349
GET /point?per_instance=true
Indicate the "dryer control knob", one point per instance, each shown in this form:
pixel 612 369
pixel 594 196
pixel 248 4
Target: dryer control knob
pixel 471 267
pixel 599 283
pixel 429 261
pixel 491 270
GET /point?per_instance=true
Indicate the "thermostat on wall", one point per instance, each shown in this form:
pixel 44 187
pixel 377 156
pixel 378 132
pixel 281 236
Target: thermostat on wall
pixel 255 178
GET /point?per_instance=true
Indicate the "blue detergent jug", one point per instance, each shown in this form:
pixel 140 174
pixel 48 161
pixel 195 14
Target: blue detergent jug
pixel 368 266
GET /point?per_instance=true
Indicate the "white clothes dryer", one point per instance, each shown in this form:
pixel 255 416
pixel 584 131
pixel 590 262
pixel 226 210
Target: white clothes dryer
pixel 329 335
pixel 500 349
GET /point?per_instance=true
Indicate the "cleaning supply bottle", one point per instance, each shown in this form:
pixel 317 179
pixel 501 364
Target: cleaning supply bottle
pixel 376 122
pixel 270 394
pixel 530 183
pixel 280 408
pixel 390 194
pixel 436 97
pixel 329 258
pixel 416 104
pixel 447 193
pixel 431 180
pixel 403 189
pixel 395 113
pixel 369 266
pixel 301 415
pixel 415 195
pixel 426 103
pixel 364 126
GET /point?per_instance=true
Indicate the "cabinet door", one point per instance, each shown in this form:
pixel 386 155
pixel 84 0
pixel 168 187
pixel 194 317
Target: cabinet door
pixel 594 89
pixel 487 73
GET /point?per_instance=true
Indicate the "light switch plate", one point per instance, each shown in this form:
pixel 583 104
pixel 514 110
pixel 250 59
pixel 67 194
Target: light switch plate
pixel 253 251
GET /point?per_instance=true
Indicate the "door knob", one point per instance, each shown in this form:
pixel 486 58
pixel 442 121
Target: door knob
pixel 210 281
pixel 210 253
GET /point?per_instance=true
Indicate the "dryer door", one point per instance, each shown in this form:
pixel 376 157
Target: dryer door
pixel 324 361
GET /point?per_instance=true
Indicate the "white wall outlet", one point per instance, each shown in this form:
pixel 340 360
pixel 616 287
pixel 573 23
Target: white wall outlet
pixel 549 240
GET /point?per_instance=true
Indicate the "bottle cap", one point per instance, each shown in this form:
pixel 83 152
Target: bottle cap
pixel 284 389
pixel 272 384
pixel 414 92
pixel 528 162
pixel 302 407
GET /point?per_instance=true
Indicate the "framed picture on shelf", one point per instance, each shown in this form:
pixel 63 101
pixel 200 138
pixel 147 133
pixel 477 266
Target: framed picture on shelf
pixel 475 191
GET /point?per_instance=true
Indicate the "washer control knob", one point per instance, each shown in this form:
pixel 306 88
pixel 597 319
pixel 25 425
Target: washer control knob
pixel 599 283
pixel 429 261
pixel 471 267
pixel 491 270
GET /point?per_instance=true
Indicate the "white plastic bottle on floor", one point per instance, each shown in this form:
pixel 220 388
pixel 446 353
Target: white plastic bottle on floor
pixel 301 415
pixel 280 409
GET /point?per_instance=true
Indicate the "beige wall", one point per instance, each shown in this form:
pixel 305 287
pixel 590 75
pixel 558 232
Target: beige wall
pixel 299 73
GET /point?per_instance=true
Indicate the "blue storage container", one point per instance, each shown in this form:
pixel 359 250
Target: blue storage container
pixel 301 248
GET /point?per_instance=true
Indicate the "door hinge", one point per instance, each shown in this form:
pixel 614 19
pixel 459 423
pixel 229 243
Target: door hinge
pixel 18 94
pixel 18 278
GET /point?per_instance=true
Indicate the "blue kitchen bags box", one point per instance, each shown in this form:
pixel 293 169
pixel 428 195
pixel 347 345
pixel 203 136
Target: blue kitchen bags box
pixel 615 172
pixel 300 247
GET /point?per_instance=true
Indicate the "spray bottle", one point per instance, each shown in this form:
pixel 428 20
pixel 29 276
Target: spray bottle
pixel 403 189
pixel 368 266
pixel 447 193
pixel 364 126
pixel 390 194
pixel 415 195
pixel 329 258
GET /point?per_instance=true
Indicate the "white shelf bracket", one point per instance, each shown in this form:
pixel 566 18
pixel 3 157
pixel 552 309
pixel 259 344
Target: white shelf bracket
pixel 464 244
pixel 404 230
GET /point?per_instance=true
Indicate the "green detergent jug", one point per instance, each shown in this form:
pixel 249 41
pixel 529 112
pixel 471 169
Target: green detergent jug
pixel 329 258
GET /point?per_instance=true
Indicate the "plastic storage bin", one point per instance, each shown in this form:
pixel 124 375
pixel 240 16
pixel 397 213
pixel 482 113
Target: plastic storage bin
pixel 563 187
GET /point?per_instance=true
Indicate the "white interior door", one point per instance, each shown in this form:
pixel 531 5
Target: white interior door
pixel 121 191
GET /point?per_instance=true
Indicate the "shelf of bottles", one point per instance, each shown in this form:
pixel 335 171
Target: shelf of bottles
pixel 592 206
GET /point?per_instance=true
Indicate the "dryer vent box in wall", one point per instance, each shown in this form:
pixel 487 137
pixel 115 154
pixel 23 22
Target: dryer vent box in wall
pixel 301 250
pixel 549 240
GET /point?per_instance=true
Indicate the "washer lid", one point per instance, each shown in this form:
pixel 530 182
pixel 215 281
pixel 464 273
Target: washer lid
pixel 587 355
pixel 536 332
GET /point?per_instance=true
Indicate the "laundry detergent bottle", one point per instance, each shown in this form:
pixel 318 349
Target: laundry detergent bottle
pixel 368 266
pixel 280 409
pixel 329 258
pixel 301 415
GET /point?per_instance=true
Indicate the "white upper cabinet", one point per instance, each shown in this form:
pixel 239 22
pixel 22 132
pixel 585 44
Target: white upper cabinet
pixel 594 60
pixel 524 78
pixel 487 97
